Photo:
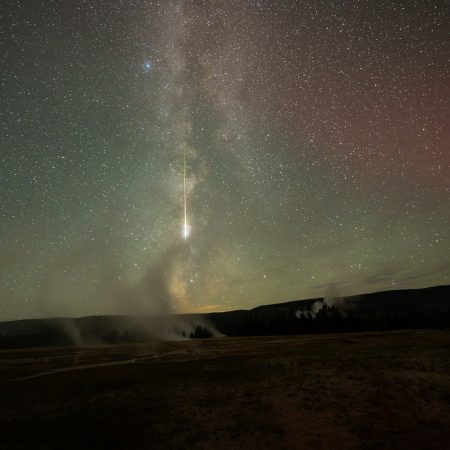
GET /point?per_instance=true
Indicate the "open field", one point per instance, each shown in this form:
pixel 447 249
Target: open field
pixel 361 391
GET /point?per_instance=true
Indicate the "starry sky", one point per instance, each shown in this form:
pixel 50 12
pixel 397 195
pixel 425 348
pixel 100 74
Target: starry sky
pixel 316 136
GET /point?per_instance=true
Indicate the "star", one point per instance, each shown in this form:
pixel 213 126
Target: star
pixel 147 66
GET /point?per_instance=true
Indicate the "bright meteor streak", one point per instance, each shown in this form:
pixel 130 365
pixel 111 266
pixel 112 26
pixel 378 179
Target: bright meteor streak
pixel 185 226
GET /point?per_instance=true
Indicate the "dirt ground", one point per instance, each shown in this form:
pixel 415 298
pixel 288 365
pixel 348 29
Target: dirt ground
pixel 353 391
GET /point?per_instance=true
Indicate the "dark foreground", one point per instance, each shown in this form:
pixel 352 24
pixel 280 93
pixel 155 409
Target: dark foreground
pixel 364 391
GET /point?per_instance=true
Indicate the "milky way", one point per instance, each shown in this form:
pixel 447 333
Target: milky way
pixel 316 136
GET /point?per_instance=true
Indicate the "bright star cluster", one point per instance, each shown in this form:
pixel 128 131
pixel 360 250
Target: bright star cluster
pixel 315 135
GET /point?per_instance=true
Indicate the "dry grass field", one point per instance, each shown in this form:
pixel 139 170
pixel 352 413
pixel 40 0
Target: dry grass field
pixel 353 391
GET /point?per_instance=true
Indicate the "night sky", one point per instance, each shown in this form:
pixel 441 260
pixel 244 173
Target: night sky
pixel 316 136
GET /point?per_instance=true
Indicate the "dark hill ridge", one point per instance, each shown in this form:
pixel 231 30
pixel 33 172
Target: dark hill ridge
pixel 387 310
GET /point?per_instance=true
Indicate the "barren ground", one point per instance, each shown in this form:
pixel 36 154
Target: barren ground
pixel 353 391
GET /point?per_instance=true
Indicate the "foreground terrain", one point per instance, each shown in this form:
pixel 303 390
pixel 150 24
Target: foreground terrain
pixel 362 391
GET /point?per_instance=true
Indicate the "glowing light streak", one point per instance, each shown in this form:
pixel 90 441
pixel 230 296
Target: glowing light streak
pixel 186 228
